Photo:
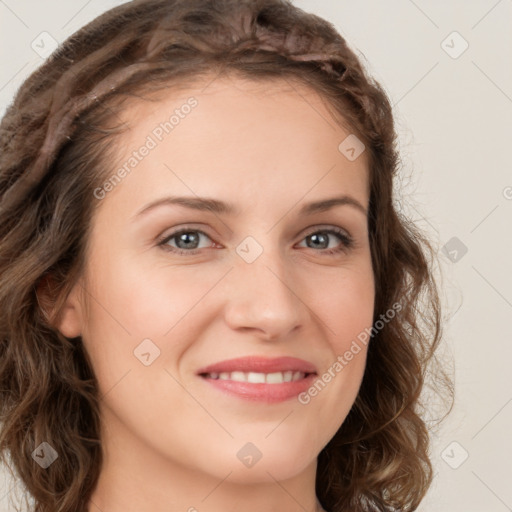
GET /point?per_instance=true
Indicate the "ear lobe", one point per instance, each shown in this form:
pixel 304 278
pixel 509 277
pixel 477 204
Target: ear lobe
pixel 68 322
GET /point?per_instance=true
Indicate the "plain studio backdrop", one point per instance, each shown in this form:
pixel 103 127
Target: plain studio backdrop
pixel 447 67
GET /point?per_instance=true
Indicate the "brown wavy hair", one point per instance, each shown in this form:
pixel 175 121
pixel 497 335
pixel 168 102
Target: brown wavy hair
pixel 56 139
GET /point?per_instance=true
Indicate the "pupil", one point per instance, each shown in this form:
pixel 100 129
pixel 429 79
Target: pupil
pixel 316 237
pixel 184 237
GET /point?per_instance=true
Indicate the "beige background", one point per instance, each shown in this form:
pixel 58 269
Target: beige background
pixel 454 116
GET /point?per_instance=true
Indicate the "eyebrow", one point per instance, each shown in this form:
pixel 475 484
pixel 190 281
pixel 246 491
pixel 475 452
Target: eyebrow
pixel 220 207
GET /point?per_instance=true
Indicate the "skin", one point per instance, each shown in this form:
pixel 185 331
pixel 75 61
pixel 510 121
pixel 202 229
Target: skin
pixel 170 439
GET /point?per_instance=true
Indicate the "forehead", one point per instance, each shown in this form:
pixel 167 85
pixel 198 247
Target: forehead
pixel 233 101
pixel 228 135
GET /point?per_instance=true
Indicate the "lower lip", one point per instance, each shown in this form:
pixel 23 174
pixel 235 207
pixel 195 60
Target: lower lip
pixel 270 393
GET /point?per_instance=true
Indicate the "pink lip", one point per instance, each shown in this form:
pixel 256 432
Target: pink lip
pixel 269 393
pixel 260 365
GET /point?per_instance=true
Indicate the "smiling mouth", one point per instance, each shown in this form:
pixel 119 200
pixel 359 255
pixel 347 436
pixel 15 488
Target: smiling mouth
pixel 269 387
pixel 258 377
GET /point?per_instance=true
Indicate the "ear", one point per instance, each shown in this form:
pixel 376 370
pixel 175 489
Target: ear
pixel 69 321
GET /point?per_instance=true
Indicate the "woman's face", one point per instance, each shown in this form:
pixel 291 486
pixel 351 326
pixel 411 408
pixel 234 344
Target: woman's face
pixel 269 279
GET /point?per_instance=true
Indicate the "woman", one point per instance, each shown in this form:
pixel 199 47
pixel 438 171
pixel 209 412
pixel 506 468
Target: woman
pixel 208 298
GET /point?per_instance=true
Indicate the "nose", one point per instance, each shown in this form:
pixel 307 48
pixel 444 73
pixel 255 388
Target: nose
pixel 264 298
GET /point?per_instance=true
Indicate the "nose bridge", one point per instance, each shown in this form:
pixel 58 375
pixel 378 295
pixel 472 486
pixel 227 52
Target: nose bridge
pixel 262 295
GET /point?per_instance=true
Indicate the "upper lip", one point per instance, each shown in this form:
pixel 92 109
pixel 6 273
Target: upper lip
pixel 260 364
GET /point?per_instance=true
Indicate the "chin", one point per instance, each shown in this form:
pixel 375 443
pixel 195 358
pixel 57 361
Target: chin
pixel 266 472
pixel 271 462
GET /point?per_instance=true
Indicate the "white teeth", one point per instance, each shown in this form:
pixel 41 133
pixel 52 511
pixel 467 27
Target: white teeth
pixel 275 378
pixel 259 378
pixel 255 378
pixel 239 376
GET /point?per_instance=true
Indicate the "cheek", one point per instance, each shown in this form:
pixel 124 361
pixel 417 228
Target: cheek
pixel 129 304
pixel 146 301
pixel 345 303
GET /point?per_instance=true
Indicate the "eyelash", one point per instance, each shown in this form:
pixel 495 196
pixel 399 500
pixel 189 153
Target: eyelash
pixel 347 241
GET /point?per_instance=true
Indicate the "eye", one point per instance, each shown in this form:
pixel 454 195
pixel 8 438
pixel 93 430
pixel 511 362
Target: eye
pixel 320 239
pixel 187 241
